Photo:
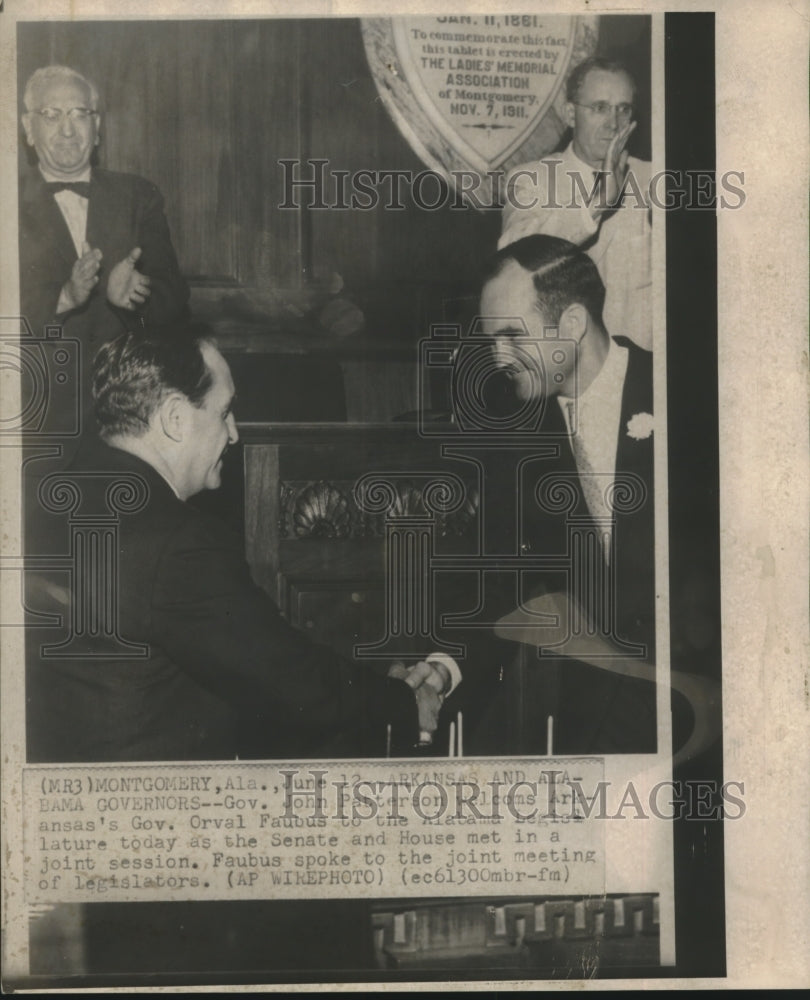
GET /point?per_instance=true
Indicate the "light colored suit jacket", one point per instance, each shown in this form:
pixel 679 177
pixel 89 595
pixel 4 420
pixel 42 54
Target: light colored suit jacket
pixel 548 197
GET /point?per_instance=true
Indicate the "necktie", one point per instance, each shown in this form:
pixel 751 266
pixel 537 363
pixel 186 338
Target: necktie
pixel 77 187
pixel 593 484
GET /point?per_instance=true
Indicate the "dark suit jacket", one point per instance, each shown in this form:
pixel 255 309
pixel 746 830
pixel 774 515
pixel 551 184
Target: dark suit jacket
pixel 633 554
pixel 595 711
pixel 221 663
pixel 124 212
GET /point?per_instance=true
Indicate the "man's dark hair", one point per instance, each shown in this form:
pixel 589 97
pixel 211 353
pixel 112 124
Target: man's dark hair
pixel 578 73
pixel 133 374
pixel 562 274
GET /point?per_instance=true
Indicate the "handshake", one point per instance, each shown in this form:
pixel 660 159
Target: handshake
pixel 431 681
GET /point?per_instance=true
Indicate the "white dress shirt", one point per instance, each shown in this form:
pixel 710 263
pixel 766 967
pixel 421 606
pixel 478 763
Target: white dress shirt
pixel 74 211
pixel 593 420
pixel 73 208
pixel 541 198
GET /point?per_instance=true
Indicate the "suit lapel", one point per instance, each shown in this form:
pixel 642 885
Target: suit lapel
pixel 99 216
pixel 541 531
pixel 634 531
pixel 111 216
pixel 46 217
pixel 634 454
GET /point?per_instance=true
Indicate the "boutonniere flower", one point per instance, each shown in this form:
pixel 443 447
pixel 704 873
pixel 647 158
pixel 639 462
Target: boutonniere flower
pixel 640 426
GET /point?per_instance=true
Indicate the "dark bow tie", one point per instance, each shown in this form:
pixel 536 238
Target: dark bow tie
pixel 77 187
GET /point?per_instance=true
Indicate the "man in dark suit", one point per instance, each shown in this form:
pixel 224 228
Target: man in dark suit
pixel 585 506
pixel 201 655
pixel 96 256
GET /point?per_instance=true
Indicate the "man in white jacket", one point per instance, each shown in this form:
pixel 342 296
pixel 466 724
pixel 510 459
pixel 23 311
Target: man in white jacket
pixel 594 194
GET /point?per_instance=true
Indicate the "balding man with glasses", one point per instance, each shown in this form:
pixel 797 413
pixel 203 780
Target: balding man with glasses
pixel 594 194
pixel 96 256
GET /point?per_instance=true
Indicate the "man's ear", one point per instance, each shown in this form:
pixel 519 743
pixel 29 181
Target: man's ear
pixel 29 134
pixel 574 322
pixel 173 416
pixel 569 114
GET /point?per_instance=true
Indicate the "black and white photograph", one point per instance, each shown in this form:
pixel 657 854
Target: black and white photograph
pixel 374 578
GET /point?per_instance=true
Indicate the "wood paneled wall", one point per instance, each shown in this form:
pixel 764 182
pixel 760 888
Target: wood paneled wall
pixel 206 109
pixel 203 109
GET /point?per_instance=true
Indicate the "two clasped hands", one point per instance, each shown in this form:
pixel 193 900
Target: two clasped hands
pixel 431 681
pixel 127 288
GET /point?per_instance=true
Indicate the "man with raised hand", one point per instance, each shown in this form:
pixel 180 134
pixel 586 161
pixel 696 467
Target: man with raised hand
pixel 594 194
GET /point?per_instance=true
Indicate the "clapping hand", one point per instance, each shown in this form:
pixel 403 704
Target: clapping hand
pixel 127 287
pixel 83 278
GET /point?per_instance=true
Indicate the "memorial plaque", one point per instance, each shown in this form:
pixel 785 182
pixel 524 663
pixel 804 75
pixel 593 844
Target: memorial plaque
pixel 477 94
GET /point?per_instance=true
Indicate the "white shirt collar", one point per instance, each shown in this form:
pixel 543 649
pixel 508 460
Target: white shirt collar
pixel 609 379
pixel 584 167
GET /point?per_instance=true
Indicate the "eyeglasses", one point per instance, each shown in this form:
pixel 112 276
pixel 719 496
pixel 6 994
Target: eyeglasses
pixel 602 109
pixel 53 116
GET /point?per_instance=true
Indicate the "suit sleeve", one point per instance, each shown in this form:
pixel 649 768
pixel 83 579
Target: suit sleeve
pixel 39 295
pixel 40 286
pixel 225 632
pixel 168 300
